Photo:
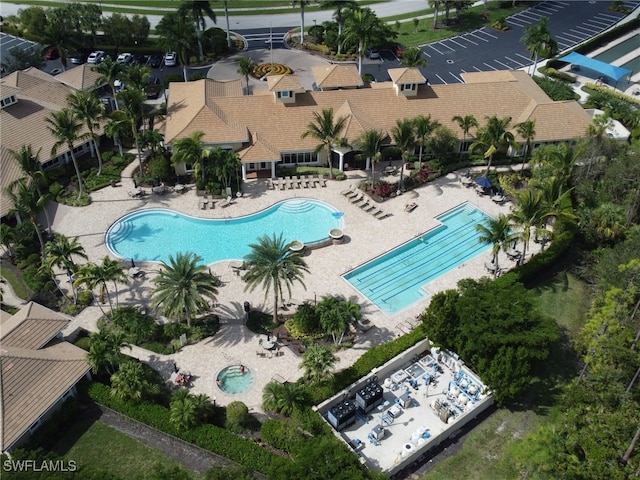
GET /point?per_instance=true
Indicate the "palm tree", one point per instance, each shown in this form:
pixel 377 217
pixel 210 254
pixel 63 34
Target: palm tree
pixel 87 107
pixel 136 76
pixel 302 3
pixel 527 130
pixel 109 71
pixel 181 287
pixel 608 221
pixel 245 68
pixel 317 362
pixel 436 6
pixel 493 137
pixel 94 275
pixel 423 128
pixel 182 410
pixel 335 316
pixel 31 168
pixel 58 38
pixel 178 34
pixel 133 101
pixel 497 232
pixel 128 383
pixel 272 265
pixel 225 164
pixel 27 203
pixel 370 142
pixel 226 16
pixel 404 137
pixel 529 212
pixel 7 239
pixel 61 250
pixel 65 127
pixel 283 398
pixel 465 123
pixel 118 127
pixel 189 151
pixel 105 350
pixel 361 28
pixel 338 14
pixel 537 39
pixel 412 57
pixel 199 9
pixel 327 130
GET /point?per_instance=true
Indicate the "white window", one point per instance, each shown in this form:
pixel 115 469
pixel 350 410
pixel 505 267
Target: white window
pixel 407 86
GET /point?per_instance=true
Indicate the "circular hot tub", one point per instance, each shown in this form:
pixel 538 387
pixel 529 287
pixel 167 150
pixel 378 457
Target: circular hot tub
pixel 234 379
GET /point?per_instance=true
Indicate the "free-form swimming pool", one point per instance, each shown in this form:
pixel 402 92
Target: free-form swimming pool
pixel 395 280
pixel 154 234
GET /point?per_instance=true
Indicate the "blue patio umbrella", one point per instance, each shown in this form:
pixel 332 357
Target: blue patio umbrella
pixel 484 182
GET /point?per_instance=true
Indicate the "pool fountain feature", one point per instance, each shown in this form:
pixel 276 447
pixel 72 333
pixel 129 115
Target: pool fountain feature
pixel 235 379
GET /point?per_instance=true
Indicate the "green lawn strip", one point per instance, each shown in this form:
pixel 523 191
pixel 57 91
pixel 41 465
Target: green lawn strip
pixel 95 444
pixel 564 298
pixel 482 454
pixel 16 283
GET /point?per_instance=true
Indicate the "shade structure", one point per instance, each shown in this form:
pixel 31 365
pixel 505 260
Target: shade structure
pixel 484 182
pixel 607 69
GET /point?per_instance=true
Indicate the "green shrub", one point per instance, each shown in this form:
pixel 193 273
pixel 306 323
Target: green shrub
pixel 83 343
pixel 171 77
pixel 160 167
pixel 85 298
pixel 565 77
pixel 260 322
pixel 614 94
pixel 55 188
pixel 196 76
pixel 281 434
pixel 555 89
pixel 238 417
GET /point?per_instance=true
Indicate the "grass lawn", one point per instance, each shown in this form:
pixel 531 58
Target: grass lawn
pixel 98 445
pixel 566 299
pixel 482 455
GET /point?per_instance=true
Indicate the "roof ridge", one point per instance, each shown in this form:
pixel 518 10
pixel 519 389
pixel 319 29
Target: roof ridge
pixel 222 115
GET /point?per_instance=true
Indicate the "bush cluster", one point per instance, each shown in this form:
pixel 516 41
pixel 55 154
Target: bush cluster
pixel 565 77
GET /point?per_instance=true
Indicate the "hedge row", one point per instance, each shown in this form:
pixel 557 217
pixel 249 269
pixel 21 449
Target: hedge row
pixel 613 93
pixel 206 436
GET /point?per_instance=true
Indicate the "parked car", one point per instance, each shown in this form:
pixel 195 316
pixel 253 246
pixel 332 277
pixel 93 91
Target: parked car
pixel 399 50
pixel 139 59
pixel 119 85
pixel 154 61
pixel 80 57
pixel 373 53
pixel 170 59
pixel 52 54
pixel 153 88
pixel 96 57
pixel 124 58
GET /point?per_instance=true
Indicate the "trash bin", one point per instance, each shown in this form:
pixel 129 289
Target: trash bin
pixel 247 307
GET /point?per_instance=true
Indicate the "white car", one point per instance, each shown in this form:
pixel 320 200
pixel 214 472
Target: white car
pixel 96 57
pixel 118 85
pixel 170 59
pixel 124 58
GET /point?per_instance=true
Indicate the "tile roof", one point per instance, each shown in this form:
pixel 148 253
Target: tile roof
pixel 79 78
pixel 283 82
pixel 337 76
pixel 10 171
pixel 510 94
pixel 34 376
pixel 406 75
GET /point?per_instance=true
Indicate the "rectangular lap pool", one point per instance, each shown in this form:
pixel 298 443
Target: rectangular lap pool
pixel 395 280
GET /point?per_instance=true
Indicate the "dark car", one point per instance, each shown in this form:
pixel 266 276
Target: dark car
pixel 80 57
pixel 155 61
pixel 153 88
pixel 139 59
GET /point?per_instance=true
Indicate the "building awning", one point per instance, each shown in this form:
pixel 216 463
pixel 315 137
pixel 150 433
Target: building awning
pixel 607 69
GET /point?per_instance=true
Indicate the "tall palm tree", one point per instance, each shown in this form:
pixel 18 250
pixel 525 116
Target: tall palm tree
pixel 182 410
pixel 423 127
pixel 412 57
pixel 283 398
pixel 133 101
pixel 335 316
pixel 199 10
pixel 8 239
pixel 317 361
pixel 136 76
pixel 27 203
pixel 87 107
pixel 436 6
pixel 538 41
pixel 60 39
pixel 225 163
pixel 302 3
pixel 529 212
pixel 181 287
pixel 97 275
pixel 245 68
pixel 128 383
pixel 226 16
pixel 177 34
pixel 338 14
pixel 60 252
pixel 527 130
pixel 105 350
pixel 327 130
pixel 273 266
pixel 361 27
pixel 465 123
pixel 118 128
pixel 189 150
pixel 404 137
pixel 65 127
pixel 109 71
pixel 497 232
pixel 370 142
pixel 31 168
pixel 493 137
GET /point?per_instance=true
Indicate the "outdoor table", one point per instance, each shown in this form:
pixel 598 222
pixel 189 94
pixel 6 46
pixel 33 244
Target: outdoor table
pixel 134 271
pixel 137 191
pixel 158 190
pixel 179 188
pixel 390 170
pixel 269 345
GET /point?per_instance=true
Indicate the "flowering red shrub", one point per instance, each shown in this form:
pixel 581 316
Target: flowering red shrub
pixel 384 189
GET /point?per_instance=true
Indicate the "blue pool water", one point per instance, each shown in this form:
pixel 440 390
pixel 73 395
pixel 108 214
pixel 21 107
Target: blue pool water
pixel 234 379
pixel 154 234
pixel 619 50
pixel 394 280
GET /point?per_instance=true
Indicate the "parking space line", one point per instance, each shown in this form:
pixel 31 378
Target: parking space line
pixel 564 36
pixel 441 79
pixel 479 38
pixel 485 32
pixel 522 25
pixel 467 40
pixel 458 79
pixel 424 52
pixel 503 64
pixel 602 21
pixel 586 31
pixel 477 69
pixel 534 16
pixel 459 44
pixel 548 7
pixel 431 46
pixel 492 68
pixel 441 42
pixel 528 59
pixel 564 46
pixel 609 17
pixel 512 60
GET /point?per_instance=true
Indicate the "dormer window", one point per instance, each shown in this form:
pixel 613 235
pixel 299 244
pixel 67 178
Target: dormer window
pixel 10 100
pixel 407 86
pixel 285 94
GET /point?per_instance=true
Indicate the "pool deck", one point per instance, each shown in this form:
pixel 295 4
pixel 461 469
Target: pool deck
pixel 365 238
